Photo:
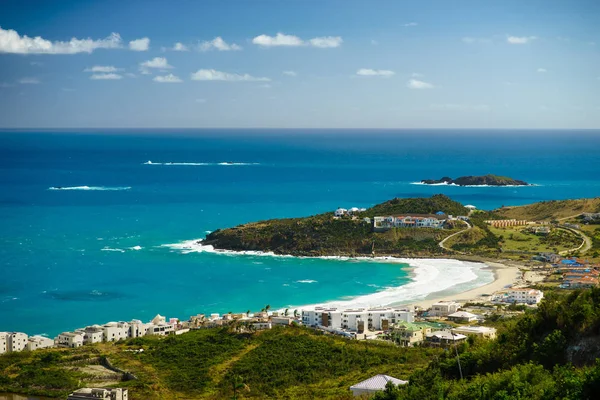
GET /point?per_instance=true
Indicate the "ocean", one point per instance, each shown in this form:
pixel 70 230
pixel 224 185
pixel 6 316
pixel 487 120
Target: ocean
pixel 96 225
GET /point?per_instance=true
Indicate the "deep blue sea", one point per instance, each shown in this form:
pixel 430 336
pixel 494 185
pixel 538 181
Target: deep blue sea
pixel 97 251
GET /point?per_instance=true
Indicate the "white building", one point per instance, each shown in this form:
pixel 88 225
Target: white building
pixel 70 339
pixel 444 308
pixel 137 328
pixel 15 341
pixel 359 319
pixel 462 316
pixel 3 342
pixel 99 394
pixel 114 331
pixel 340 212
pixel 519 296
pixel 93 334
pixel 406 221
pixel 480 331
pixel 374 384
pixel 39 342
pixel 283 321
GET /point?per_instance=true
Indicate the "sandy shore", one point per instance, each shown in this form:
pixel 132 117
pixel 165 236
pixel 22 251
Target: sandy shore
pixel 504 275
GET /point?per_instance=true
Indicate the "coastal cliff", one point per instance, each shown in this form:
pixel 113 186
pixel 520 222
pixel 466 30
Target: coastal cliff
pixel 485 180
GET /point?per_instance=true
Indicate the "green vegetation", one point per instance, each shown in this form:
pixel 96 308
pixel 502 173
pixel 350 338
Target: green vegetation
pixel 491 180
pixel 548 353
pixel 544 354
pixel 323 235
pixel 550 210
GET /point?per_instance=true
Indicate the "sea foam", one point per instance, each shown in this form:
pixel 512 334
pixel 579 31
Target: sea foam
pixel 89 188
pixel 192 164
pixel 428 275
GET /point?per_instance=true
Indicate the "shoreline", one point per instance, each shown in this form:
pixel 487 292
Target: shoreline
pixel 505 273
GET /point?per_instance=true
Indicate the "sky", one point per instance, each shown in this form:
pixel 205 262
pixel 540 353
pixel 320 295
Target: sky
pixel 506 64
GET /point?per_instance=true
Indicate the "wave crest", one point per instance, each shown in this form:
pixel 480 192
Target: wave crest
pixel 108 188
pixel 225 163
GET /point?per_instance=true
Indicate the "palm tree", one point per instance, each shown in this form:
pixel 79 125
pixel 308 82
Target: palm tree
pixel 237 383
pixel 295 313
pixel 286 312
pixel 267 307
pixel 248 312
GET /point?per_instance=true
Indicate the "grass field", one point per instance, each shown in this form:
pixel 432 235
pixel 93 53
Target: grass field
pixel 549 210
pixel 518 239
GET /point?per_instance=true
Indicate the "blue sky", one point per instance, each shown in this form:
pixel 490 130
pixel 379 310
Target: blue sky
pixel 314 64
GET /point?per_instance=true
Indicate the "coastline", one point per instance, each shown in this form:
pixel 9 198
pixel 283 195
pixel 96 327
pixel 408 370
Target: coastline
pixel 424 273
pixel 505 275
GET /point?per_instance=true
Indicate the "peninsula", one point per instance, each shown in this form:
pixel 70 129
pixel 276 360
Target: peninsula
pixel 484 180
pixel 420 227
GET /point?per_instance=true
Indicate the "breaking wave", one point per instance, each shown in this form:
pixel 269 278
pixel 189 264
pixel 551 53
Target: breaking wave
pixel 110 188
pixel 226 163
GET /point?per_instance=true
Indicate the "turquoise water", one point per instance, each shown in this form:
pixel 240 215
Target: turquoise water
pixel 74 257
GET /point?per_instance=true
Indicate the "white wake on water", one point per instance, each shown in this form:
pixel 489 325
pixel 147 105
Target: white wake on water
pixel 90 188
pixel 226 163
pixel 428 275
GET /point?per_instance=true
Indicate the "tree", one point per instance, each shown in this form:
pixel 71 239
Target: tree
pixel 286 312
pixel 267 307
pixel 295 313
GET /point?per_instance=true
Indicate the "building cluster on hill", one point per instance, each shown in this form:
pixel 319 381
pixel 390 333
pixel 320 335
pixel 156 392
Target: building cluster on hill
pixel 576 272
pixel 503 223
pixel 341 212
pixel 109 332
pixel 409 221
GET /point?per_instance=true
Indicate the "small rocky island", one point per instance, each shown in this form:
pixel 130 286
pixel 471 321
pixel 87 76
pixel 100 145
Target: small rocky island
pixel 485 180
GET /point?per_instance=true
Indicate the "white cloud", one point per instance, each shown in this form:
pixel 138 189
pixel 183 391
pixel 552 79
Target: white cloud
pixel 214 75
pixel 98 77
pixel 29 81
pixel 416 75
pixel 180 47
pixel 281 39
pixel 417 84
pixel 156 63
pixel 542 70
pixel 290 73
pixel 520 39
pixel 102 68
pixel 375 72
pixel 374 42
pixel 12 42
pixel 410 24
pixel 278 40
pixel 218 44
pixel 142 44
pixel 170 78
pixel 471 40
pixel 326 42
pixel 460 107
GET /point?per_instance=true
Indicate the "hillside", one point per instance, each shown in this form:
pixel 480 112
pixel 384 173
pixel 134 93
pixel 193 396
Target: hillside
pixel 545 353
pixel 322 235
pixel 550 210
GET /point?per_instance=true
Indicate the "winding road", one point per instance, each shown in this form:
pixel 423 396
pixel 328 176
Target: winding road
pixel 442 243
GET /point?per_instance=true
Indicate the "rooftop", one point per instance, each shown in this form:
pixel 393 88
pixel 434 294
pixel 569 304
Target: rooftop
pixel 378 382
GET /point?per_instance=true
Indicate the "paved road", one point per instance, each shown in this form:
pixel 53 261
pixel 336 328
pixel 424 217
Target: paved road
pixel 586 243
pixel 441 244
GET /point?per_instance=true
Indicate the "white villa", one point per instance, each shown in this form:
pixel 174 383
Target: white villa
pixel 462 316
pixel 340 212
pixel 386 223
pixel 480 331
pixel 70 339
pixel 359 319
pixel 39 342
pixel 518 296
pixel 444 308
